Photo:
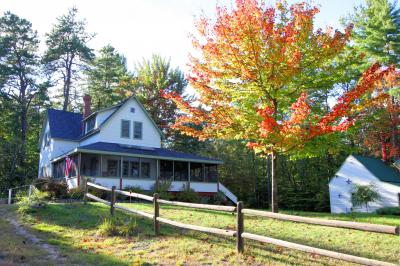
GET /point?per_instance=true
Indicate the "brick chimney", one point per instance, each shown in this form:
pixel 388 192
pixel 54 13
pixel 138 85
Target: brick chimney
pixel 87 100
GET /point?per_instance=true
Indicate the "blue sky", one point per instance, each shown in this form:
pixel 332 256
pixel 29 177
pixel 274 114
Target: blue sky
pixel 139 28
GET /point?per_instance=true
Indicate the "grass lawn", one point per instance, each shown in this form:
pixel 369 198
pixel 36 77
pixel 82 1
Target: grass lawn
pixel 73 229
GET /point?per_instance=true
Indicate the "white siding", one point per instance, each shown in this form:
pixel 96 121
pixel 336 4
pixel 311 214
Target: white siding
pixel 111 130
pixel 358 174
pixel 102 116
pixel 56 148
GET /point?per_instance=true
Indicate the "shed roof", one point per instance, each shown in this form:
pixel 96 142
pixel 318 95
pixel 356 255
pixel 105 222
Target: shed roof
pixel 379 169
pixel 161 153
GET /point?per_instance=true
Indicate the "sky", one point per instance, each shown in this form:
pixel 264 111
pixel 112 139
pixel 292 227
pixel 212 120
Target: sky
pixel 140 28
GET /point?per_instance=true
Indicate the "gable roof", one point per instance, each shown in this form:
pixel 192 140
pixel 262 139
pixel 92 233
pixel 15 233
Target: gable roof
pixel 379 169
pixel 68 125
pixel 119 106
pixel 64 125
pixel 149 152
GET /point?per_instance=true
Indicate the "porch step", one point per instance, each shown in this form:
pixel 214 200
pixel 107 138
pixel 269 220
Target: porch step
pixel 228 193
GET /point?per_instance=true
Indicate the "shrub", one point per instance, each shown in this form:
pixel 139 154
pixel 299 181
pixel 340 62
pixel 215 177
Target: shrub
pixel 218 198
pixel 363 194
pixel 162 189
pixel 109 227
pixel 57 189
pixel 389 211
pixel 188 195
pixel 103 194
pixel 76 193
pixel 116 227
pixel 130 228
pixel 27 204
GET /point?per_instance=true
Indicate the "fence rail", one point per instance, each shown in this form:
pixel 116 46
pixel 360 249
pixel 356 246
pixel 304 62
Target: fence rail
pixel 377 228
pixel 239 233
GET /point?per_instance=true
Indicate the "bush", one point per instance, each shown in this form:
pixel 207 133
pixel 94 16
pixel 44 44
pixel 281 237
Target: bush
pixel 103 194
pixel 27 204
pixel 389 211
pixel 188 195
pixel 109 227
pixel 76 193
pixel 57 189
pixel 116 227
pixel 218 198
pixel 162 189
pixel 130 228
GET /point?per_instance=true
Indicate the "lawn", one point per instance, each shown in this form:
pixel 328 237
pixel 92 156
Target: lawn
pixel 72 228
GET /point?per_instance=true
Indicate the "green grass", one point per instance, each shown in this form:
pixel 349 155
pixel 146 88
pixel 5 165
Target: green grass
pixel 73 229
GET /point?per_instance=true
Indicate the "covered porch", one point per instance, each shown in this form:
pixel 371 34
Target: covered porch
pixel 144 171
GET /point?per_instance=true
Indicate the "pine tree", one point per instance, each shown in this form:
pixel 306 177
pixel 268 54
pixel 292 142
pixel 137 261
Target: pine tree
pixel 19 70
pixel 377 31
pixel 108 78
pixel 68 53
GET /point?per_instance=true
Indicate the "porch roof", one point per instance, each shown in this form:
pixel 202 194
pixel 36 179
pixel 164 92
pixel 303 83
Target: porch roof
pixel 140 151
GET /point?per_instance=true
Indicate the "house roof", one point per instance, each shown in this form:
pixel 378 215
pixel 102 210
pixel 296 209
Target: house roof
pixel 379 169
pixel 64 125
pixel 148 152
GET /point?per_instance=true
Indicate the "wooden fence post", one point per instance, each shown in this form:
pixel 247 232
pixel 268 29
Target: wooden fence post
pixel 9 196
pixel 85 191
pixel 156 223
pixel 239 227
pixel 112 200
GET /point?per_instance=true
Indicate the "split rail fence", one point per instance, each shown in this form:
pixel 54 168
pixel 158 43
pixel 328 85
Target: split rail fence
pixel 239 233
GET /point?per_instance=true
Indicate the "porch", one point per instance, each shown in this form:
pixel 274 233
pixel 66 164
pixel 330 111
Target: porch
pixel 124 171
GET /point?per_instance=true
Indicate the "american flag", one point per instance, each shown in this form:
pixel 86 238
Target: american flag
pixel 68 166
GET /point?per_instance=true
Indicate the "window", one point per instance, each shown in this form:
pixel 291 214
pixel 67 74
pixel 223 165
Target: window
pixel 90 123
pixel 125 129
pixel 132 110
pixel 112 167
pixel 137 130
pixel 145 170
pixel 46 139
pixel 125 169
pixel 134 169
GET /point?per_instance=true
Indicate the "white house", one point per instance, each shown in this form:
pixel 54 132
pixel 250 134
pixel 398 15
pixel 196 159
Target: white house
pixel 120 146
pixel 364 171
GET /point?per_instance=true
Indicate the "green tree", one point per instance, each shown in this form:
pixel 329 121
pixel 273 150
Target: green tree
pixel 364 194
pixel 68 53
pixel 377 31
pixel 152 78
pixel 108 78
pixel 19 70
pixel 376 37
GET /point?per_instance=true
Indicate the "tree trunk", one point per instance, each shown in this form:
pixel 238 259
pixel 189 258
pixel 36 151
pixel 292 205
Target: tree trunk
pixel 274 185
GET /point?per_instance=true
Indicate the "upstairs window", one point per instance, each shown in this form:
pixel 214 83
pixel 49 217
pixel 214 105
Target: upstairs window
pixel 46 139
pixel 125 129
pixel 90 123
pixel 137 130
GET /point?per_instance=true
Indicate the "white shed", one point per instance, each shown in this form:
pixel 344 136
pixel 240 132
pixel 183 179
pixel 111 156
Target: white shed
pixel 364 171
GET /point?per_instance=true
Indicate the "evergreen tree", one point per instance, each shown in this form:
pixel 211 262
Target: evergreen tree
pixel 377 31
pixel 68 53
pixel 19 70
pixel 108 78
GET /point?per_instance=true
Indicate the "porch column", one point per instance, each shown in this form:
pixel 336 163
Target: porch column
pixel 140 167
pixel 99 169
pixel 157 173
pixel 188 175
pixel 216 166
pixel 79 169
pixel 173 170
pixel 203 170
pixel 120 172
